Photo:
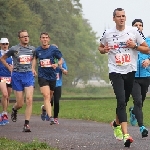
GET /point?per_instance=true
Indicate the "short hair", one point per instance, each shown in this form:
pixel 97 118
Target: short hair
pixel 46 33
pixel 21 32
pixel 137 20
pixel 117 9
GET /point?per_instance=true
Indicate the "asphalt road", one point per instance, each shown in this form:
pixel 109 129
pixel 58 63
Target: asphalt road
pixel 73 134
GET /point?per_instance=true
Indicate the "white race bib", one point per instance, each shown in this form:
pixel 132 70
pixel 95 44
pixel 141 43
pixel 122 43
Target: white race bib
pixel 123 59
pixel 25 59
pixel 45 63
pixel 6 80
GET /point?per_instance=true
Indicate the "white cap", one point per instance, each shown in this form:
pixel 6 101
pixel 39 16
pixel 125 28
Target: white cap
pixel 4 40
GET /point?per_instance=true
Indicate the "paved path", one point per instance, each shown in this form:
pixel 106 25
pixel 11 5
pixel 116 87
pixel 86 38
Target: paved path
pixel 72 134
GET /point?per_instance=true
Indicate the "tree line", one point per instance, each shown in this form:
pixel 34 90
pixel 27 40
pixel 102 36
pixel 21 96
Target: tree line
pixel 64 21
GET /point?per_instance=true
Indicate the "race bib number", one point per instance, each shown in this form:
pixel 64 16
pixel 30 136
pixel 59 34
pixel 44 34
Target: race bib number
pixel 57 76
pixel 6 80
pixel 45 63
pixel 25 59
pixel 123 59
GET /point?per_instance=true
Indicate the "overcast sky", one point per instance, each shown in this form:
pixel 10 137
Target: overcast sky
pixel 99 13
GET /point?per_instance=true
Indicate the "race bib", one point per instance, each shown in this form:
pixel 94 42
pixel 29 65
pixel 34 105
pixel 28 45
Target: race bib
pixel 25 59
pixel 45 63
pixel 122 59
pixel 57 76
pixel 6 80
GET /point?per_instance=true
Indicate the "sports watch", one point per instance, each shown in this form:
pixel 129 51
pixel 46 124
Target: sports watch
pixel 135 47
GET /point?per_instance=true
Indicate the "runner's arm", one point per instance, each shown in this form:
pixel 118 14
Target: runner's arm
pixel 101 48
pixel 34 66
pixel 64 68
pixel 143 47
pixel 3 60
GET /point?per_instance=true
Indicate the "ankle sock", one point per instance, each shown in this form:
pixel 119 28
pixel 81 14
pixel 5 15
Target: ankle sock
pixel 4 113
pixel 26 121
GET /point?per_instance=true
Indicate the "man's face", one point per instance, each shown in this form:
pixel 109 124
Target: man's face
pixel 44 40
pixel 138 25
pixel 24 38
pixel 120 18
pixel 4 46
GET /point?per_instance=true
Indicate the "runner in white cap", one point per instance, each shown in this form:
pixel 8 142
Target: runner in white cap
pixel 5 82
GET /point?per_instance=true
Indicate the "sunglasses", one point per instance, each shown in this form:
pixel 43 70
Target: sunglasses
pixel 4 43
pixel 24 36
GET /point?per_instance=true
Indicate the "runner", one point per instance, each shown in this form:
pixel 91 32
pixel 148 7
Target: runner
pixel 5 82
pixel 46 55
pixel 140 86
pixel 120 44
pixel 57 93
pixel 22 76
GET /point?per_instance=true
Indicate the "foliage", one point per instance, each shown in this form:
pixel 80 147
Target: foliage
pixel 68 29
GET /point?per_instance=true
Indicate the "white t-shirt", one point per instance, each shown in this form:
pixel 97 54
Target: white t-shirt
pixel 120 58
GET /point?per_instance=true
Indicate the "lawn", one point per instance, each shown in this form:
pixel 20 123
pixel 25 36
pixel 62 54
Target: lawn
pixel 96 110
pixel 6 144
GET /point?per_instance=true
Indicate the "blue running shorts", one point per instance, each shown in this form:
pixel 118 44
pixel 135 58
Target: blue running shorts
pixel 20 80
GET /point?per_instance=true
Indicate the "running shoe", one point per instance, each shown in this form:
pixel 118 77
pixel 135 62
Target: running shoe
pixel 1 120
pixel 14 115
pixel 26 128
pixel 5 119
pixel 56 121
pixel 47 117
pixel 43 114
pixel 127 140
pixel 117 131
pixel 133 120
pixel 144 131
pixel 51 119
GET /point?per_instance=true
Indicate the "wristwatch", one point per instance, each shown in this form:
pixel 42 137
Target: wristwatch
pixel 135 47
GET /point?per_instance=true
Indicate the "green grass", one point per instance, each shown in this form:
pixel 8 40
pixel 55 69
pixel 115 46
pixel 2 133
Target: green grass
pixel 96 110
pixel 6 144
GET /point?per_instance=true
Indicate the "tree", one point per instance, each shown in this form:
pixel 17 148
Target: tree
pixel 68 29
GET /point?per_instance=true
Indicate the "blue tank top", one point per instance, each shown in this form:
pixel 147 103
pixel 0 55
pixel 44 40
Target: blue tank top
pixel 4 72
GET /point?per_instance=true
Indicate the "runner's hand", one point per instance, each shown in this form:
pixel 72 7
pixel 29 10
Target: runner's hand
pixel 54 66
pixel 130 43
pixel 146 63
pixel 34 72
pixel 107 48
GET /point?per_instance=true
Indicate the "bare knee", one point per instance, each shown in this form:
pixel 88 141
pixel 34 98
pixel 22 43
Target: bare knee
pixel 46 96
pixel 29 101
pixel 5 95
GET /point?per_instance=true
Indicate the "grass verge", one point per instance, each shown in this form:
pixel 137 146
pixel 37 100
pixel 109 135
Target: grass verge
pixel 6 144
pixel 96 110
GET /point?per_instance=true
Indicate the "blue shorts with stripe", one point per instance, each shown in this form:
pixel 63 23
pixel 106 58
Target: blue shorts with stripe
pixel 20 80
